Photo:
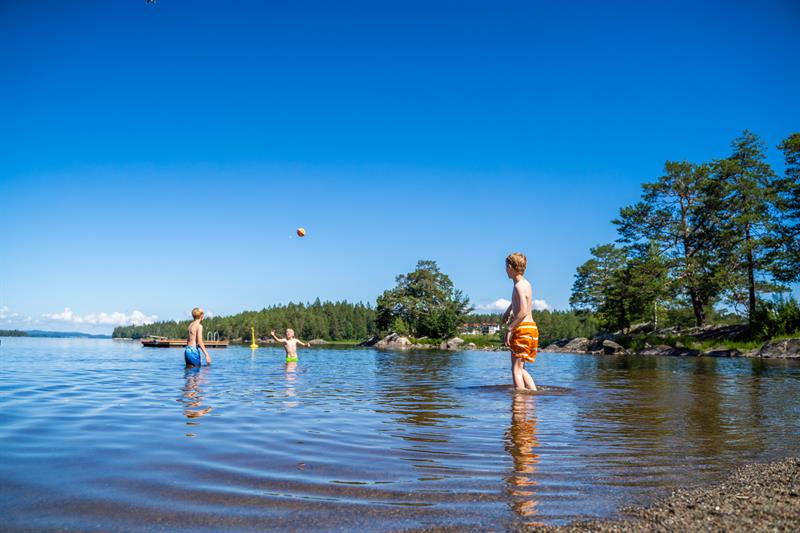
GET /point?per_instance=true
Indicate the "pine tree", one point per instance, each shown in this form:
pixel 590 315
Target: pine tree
pixel 750 208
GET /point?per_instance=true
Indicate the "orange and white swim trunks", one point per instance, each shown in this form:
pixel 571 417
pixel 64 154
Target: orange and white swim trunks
pixel 525 341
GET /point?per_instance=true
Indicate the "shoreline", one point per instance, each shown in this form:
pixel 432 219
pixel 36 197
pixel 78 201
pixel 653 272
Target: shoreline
pixel 752 497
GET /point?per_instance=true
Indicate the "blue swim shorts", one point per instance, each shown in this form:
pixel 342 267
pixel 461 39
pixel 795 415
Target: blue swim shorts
pixel 192 356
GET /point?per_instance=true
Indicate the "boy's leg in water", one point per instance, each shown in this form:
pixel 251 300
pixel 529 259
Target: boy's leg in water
pixel 519 382
pixel 526 377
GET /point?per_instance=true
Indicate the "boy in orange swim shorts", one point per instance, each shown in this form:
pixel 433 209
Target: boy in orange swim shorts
pixel 523 335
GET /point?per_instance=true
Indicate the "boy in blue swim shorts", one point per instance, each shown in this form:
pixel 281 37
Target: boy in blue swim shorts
pixel 194 344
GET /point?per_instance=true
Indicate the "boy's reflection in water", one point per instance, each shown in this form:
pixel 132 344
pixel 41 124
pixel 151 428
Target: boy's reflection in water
pixel 192 397
pixel 521 444
pixel 291 378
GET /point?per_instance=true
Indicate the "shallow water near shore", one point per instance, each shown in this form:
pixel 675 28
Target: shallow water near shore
pixel 101 434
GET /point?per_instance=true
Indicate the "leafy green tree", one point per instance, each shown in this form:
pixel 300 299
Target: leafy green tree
pixel 622 285
pixel 424 303
pixel 649 283
pixel 602 286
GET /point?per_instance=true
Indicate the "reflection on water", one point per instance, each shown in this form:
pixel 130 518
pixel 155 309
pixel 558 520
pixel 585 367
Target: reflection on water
pixel 358 439
pixel 192 397
pixel 291 378
pixel 521 444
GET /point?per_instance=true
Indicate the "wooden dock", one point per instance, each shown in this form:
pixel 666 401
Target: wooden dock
pixel 180 343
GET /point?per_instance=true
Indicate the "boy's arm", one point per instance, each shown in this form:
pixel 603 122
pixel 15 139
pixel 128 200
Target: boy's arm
pixel 272 334
pixel 201 344
pixel 507 314
pixel 304 344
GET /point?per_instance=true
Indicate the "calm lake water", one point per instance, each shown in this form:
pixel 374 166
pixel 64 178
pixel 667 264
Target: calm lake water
pixel 101 434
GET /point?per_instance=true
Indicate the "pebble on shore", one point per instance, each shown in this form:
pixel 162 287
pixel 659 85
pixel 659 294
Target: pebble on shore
pixel 755 497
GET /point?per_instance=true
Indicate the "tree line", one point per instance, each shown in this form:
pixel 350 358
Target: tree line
pixel 703 237
pixel 326 320
pixel 553 324
pixel 423 303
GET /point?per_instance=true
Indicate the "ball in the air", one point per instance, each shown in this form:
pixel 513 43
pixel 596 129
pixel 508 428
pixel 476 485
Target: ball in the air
pixel 301 232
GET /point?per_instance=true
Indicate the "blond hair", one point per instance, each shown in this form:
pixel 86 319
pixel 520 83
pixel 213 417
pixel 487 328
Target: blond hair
pixel 518 262
pixel 197 313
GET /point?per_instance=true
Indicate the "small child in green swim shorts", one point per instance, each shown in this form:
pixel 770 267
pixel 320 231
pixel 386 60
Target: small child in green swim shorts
pixel 290 344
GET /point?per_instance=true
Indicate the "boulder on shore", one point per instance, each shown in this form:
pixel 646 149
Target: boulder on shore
pixel 317 341
pixel 781 349
pixel 452 344
pixel 372 341
pixel 576 345
pixel 393 341
pixel 663 349
pixel 658 349
pixel 612 348
pixel 722 351
pixel 555 346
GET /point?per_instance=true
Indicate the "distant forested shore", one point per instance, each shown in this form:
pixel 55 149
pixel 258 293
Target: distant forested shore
pixel 54 334
pixel 340 321
pixel 334 321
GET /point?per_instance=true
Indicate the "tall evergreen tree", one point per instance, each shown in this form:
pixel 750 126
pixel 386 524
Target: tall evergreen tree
pixel 751 214
pixel 678 215
pixel 649 282
pixel 601 286
pixel 785 250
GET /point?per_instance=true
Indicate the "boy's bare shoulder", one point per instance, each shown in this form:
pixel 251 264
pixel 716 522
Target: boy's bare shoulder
pixel 523 284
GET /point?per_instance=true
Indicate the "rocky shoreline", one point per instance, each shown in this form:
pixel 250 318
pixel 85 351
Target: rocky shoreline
pixel 776 349
pixel 754 497
pixel 395 341
pixel 605 345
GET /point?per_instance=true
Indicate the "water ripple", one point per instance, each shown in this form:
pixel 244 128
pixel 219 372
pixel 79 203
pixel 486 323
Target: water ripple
pixel 109 435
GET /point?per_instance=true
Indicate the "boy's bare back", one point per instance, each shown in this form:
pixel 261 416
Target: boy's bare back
pixel 522 299
pixel 195 332
pixel 194 340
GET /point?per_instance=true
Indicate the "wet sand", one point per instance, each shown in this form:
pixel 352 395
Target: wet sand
pixel 755 497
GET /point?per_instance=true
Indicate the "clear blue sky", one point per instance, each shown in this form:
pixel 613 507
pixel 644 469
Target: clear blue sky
pixel 158 157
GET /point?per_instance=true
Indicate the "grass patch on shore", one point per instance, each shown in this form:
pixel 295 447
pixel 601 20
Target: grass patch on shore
pixel 638 343
pixel 743 345
pixel 483 341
